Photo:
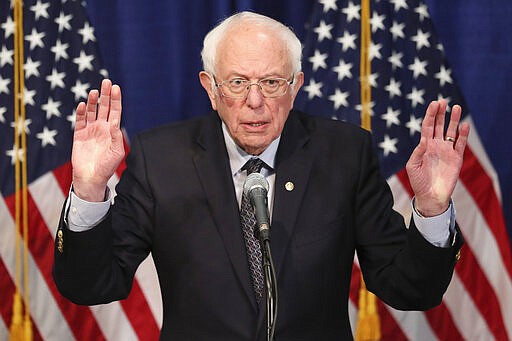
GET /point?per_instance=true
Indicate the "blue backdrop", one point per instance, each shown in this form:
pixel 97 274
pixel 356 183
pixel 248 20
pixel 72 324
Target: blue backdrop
pixel 152 49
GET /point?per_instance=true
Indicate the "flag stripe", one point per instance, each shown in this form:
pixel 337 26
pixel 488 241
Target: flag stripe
pixel 7 288
pixel 113 321
pixel 43 307
pixel 473 279
pixel 478 237
pixel 148 280
pixel 478 185
pixel 140 315
pixel 414 324
pixel 471 324
pixel 63 175
pixel 79 318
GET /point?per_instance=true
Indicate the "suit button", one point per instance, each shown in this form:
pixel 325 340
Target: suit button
pixel 457 256
pixel 60 241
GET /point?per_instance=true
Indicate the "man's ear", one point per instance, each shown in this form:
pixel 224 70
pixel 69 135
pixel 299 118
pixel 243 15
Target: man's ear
pixel 206 81
pixel 297 84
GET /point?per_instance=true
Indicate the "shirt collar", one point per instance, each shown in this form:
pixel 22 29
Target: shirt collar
pixel 238 157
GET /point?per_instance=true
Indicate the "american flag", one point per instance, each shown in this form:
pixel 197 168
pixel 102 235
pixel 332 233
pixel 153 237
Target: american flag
pixel 61 63
pixel 408 70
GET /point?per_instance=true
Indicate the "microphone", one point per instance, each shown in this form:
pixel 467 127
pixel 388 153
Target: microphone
pixel 256 189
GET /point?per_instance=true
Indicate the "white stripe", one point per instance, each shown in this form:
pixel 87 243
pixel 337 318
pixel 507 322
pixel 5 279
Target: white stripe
pixel 44 310
pixel 402 200
pixel 476 146
pixel 352 315
pixel 49 199
pixel 413 324
pixel 113 322
pixel 148 280
pixel 111 318
pixel 465 314
pixel 112 182
pixel 4 331
pixel 481 240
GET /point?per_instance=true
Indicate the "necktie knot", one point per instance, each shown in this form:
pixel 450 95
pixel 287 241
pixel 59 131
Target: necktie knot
pixel 254 165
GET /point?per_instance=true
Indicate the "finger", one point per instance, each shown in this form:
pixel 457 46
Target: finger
pixel 90 109
pixel 115 106
pixel 427 126
pixel 451 131
pixel 462 139
pixel 440 115
pixel 80 116
pixel 104 106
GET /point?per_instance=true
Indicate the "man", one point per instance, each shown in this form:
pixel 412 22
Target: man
pixel 180 196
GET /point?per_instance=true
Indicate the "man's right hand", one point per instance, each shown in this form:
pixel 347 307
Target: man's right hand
pixel 97 142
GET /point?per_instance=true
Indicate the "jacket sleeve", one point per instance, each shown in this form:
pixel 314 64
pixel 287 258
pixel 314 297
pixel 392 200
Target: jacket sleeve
pixel 97 266
pixel 398 264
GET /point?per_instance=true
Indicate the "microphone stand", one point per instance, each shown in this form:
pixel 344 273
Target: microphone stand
pixel 263 233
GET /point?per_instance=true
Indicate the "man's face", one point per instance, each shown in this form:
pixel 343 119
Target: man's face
pixel 252 53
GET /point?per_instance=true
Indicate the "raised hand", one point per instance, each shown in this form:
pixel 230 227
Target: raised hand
pixel 97 142
pixel 435 164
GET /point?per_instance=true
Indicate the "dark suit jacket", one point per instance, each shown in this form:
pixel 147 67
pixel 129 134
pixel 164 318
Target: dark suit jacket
pixel 176 199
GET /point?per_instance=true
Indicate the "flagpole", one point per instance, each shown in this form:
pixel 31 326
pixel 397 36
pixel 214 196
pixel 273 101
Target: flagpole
pixel 21 326
pixel 368 325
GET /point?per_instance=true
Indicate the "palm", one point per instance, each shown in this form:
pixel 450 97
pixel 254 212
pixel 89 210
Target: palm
pixel 435 164
pixel 94 155
pixel 98 142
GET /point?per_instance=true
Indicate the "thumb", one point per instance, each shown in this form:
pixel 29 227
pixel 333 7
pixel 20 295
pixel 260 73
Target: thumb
pixel 115 132
pixel 417 154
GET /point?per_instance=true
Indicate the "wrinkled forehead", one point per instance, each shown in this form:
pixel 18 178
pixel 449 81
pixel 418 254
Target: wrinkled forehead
pixel 252 50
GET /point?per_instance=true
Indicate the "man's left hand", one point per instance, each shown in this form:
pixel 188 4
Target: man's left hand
pixel 435 164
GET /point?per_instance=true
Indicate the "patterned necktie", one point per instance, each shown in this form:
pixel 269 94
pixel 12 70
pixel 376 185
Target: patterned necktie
pixel 252 244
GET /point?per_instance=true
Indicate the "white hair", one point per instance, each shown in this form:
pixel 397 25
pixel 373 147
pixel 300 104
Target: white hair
pixel 214 37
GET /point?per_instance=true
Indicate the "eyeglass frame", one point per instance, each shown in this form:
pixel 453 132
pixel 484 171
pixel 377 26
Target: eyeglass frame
pixel 248 86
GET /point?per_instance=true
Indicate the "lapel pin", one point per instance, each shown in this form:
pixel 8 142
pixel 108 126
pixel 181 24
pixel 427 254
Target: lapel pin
pixel 289 186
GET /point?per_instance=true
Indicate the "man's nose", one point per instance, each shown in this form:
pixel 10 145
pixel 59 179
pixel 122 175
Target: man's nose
pixel 254 96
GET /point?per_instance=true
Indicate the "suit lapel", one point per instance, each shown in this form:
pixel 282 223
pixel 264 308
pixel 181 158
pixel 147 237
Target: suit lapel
pixel 293 166
pixel 214 171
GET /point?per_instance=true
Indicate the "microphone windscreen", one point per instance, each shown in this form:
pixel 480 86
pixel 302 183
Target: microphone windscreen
pixel 255 180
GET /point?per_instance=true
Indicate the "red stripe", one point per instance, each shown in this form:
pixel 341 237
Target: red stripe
pixel 122 166
pixel 140 315
pixel 80 319
pixel 63 175
pixel 439 318
pixel 481 292
pixel 7 289
pixel 479 184
pixel 442 323
pixel 389 328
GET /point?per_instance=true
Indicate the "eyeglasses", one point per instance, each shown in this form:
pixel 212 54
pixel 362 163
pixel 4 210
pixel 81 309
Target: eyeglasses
pixel 239 87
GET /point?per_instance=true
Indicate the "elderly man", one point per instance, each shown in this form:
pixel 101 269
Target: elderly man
pixel 181 193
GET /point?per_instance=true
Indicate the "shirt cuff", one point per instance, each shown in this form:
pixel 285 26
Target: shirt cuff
pixel 438 229
pixel 84 215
